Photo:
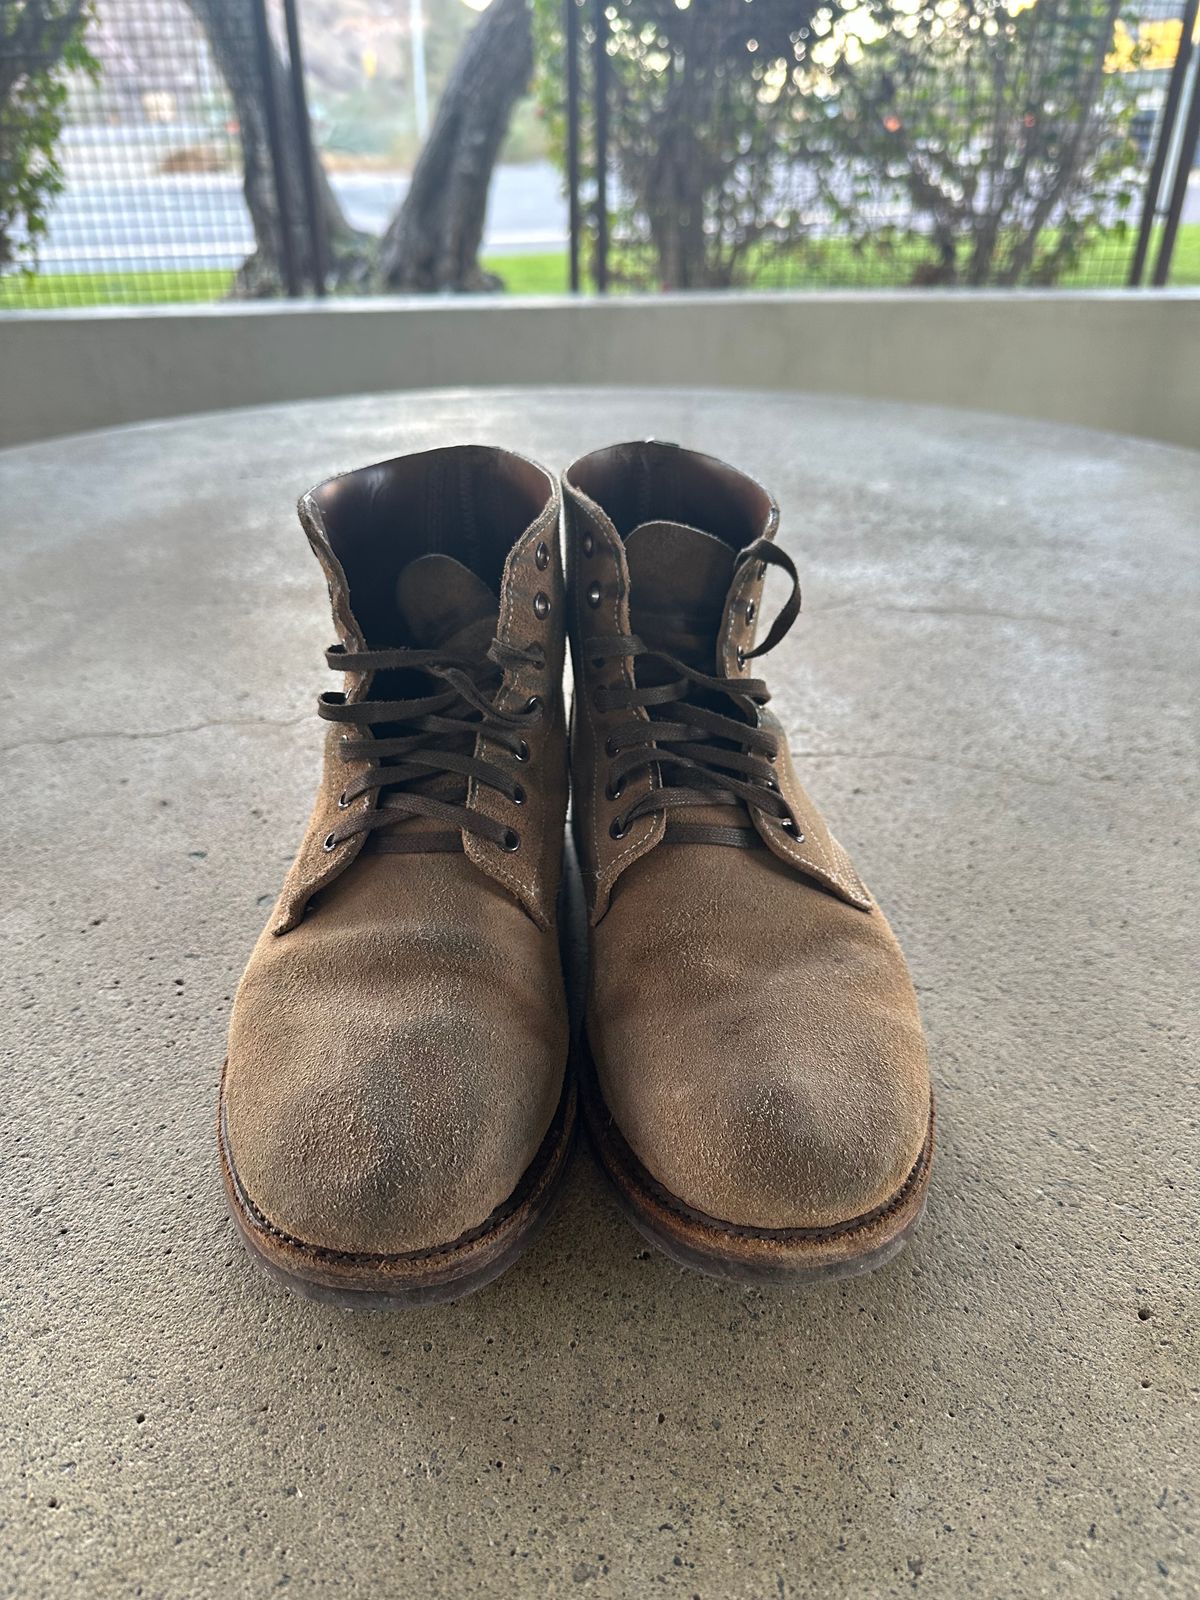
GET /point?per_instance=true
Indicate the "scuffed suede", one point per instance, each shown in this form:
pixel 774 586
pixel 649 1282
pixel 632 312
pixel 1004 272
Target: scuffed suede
pixel 395 1061
pixel 398 1042
pixel 751 1020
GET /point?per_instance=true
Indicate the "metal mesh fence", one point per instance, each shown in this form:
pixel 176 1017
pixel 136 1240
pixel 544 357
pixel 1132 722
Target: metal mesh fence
pixel 128 128
pixel 879 145
pixel 149 203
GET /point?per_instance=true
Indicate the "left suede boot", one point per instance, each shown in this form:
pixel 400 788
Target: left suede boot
pixel 395 1111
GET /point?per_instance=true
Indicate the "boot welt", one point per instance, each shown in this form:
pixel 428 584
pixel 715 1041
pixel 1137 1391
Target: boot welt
pixel 749 1255
pixel 419 1277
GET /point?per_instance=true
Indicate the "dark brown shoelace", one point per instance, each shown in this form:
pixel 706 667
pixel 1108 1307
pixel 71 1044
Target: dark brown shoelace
pixel 425 738
pixel 701 755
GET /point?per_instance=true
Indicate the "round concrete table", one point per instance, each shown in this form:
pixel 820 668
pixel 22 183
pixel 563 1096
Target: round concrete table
pixel 991 692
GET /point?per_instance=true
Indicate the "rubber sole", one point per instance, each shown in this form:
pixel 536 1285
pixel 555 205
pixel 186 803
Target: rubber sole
pixel 421 1277
pixel 749 1255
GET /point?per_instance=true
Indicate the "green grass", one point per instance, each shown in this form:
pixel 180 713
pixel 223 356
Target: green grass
pixel 531 274
pixel 111 289
pixel 833 264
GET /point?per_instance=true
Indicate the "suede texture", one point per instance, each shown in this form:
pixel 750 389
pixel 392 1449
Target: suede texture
pixel 750 1015
pixel 398 1042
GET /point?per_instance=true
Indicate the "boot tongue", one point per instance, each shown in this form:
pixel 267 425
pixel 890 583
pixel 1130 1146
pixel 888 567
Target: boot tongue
pixel 440 605
pixel 443 605
pixel 678 580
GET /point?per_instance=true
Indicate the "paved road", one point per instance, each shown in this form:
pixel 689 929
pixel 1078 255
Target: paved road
pixel 145 221
pixel 142 221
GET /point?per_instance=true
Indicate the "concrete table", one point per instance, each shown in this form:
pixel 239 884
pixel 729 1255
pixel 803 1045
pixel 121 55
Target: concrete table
pixel 991 692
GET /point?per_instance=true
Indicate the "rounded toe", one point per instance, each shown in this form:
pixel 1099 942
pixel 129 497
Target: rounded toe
pixel 775 1157
pixel 370 1147
pixel 786 1130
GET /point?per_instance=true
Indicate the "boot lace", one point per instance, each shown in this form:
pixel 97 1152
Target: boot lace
pixel 429 737
pixel 705 741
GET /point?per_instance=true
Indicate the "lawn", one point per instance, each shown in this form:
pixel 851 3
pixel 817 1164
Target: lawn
pixel 835 265
pixel 55 290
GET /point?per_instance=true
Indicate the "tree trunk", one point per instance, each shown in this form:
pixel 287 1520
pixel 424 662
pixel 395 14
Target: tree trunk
pixel 229 28
pixel 433 241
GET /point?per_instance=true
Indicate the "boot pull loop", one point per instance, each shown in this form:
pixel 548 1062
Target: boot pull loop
pixel 770 555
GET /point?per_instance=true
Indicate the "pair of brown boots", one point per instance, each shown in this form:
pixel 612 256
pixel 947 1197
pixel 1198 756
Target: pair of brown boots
pixel 397 1108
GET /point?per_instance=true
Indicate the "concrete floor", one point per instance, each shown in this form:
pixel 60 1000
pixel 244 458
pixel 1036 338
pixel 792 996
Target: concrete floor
pixel 993 694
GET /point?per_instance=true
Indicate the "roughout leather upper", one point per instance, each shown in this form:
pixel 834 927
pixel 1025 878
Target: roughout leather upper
pixel 398 1041
pixel 751 1018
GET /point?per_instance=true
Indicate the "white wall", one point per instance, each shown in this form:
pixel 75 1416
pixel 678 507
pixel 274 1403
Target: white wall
pixel 1117 359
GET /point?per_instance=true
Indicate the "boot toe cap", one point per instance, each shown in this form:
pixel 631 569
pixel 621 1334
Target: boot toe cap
pixel 774 1152
pixel 763 1112
pixel 384 1140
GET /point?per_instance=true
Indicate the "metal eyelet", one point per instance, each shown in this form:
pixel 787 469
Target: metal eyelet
pixel 741 657
pixel 534 703
pixel 541 558
pixel 342 801
pixel 589 544
pixel 773 756
pixel 789 826
pixel 617 828
pixel 594 595
pixel 522 751
pixel 772 784
pixel 541 606
pixel 610 749
pixel 518 795
pixel 751 608
pixel 762 570
pixel 614 791
pixel 511 841
pixel 330 842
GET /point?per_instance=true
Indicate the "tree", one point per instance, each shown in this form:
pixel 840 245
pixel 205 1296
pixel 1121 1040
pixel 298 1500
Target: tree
pixel 41 42
pixel 984 142
pixel 703 102
pixel 228 27
pixel 433 241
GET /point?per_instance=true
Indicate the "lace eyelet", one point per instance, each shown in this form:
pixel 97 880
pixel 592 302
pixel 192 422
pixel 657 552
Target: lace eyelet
pixel 511 841
pixel 330 842
pixel 773 756
pixel 541 557
pixel 594 595
pixel 518 795
pixel 614 791
pixel 534 703
pixel 789 826
pixel 343 803
pixel 617 828
pixel 772 784
pixel 541 606
pixel 741 657
pixel 589 544
pixel 522 751
pixel 610 749
pixel 751 609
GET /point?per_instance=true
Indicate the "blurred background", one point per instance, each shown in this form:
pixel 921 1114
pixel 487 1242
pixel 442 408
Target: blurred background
pixel 206 150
